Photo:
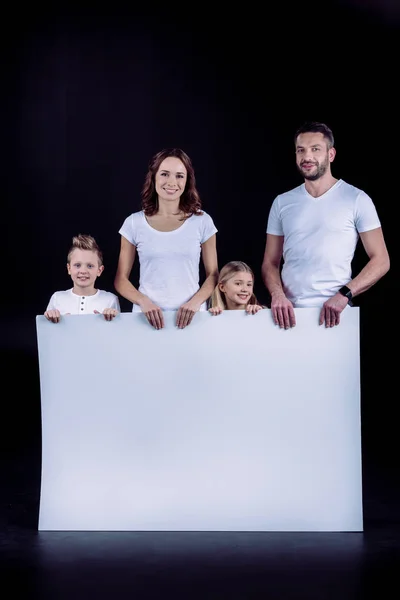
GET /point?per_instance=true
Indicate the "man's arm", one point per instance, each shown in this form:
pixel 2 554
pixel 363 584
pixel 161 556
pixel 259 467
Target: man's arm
pixel 271 264
pixel 376 267
pixel 378 264
pixel 281 307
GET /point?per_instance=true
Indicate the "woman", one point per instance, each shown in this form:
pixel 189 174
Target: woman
pixel 169 234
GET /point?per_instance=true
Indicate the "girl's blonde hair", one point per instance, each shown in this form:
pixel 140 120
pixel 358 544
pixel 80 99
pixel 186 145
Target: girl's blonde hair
pixel 227 272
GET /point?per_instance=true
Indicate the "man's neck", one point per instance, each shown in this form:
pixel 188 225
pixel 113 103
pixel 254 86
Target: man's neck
pixel 320 186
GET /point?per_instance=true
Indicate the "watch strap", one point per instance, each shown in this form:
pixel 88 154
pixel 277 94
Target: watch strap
pixel 345 291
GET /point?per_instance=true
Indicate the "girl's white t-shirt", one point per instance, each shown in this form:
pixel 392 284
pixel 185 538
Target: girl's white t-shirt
pixel 169 260
pixel 69 302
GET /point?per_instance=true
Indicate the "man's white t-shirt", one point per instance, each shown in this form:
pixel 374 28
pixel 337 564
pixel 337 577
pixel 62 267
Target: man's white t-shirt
pixel 69 302
pixel 320 238
pixel 169 260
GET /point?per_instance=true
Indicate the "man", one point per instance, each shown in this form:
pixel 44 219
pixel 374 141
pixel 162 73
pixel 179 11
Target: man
pixel 315 228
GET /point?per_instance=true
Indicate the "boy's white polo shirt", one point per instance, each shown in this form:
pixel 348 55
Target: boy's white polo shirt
pixel 69 302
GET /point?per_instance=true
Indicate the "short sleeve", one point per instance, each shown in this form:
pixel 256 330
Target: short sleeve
pixel 274 225
pixel 52 303
pixel 128 230
pixel 366 216
pixel 115 303
pixel 208 228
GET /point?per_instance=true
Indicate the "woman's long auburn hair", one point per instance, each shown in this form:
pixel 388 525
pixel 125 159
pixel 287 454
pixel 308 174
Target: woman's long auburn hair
pixel 189 202
pixel 227 272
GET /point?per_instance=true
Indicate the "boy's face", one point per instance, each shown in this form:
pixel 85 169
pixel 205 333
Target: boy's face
pixel 84 268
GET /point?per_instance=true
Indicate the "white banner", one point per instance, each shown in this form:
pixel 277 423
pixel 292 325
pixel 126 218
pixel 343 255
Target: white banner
pixel 231 424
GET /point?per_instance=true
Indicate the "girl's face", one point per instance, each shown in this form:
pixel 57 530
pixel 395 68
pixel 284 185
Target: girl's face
pixel 170 179
pixel 238 290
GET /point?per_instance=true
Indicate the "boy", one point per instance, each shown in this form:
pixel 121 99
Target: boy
pixel 84 265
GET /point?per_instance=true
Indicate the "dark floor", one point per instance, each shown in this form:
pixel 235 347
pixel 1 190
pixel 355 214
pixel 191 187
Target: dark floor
pixel 194 565
pixel 190 565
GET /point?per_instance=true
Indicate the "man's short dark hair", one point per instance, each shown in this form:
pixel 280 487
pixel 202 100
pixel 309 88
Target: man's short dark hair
pixel 315 127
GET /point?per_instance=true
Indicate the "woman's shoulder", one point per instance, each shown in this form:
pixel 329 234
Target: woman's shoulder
pixel 135 216
pixel 201 216
pixel 133 219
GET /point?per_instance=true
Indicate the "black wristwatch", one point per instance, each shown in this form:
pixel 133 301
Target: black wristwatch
pixel 345 291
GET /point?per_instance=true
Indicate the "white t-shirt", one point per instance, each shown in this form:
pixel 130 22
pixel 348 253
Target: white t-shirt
pixel 320 238
pixel 169 260
pixel 69 302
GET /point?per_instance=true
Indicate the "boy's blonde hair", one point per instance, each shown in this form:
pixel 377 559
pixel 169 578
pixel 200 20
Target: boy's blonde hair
pixel 227 272
pixel 85 242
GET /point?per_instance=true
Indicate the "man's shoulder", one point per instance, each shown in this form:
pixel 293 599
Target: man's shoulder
pixel 290 194
pixel 344 186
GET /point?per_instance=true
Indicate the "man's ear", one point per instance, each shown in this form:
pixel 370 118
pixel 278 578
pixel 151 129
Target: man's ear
pixel 332 154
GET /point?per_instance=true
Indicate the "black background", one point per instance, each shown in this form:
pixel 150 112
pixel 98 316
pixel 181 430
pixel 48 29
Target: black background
pixel 88 97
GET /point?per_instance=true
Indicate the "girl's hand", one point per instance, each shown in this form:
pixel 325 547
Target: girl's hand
pixel 252 309
pixel 215 311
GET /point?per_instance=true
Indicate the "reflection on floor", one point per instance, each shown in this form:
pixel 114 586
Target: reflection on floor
pixel 190 565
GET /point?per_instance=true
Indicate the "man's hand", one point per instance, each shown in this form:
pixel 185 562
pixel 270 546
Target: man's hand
pixel 331 309
pixel 282 311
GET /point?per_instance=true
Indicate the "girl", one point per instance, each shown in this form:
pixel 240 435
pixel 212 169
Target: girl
pixel 234 290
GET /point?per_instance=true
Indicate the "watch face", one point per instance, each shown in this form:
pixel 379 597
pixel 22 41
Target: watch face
pixel 348 293
pixel 345 291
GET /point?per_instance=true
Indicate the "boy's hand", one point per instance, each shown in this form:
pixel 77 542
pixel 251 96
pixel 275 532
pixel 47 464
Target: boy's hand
pixel 53 315
pixel 109 313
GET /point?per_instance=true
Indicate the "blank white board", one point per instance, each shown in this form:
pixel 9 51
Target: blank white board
pixel 230 424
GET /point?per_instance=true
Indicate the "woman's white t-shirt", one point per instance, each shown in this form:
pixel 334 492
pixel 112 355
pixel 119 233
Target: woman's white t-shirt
pixel 169 260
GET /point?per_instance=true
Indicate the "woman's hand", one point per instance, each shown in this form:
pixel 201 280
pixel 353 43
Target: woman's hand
pixel 153 313
pixel 186 313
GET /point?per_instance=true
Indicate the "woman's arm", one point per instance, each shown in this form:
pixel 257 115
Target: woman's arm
pixel 127 290
pixel 209 255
